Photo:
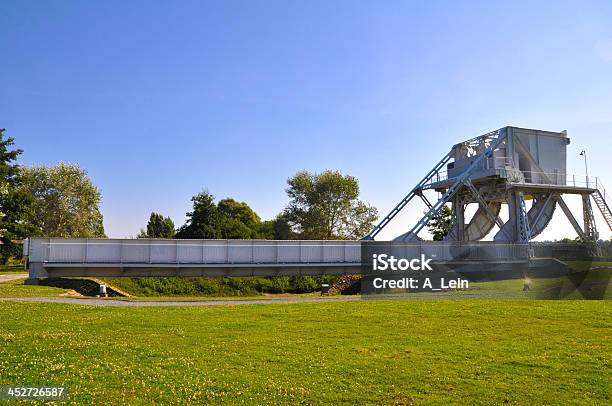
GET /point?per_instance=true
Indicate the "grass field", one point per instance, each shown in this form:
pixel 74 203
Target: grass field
pixel 19 288
pixel 11 269
pixel 374 352
pixel 591 285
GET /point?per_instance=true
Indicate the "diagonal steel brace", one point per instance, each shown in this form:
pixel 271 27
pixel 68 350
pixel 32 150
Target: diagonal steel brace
pixel 468 183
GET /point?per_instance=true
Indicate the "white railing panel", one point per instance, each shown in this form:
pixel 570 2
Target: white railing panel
pixel 240 252
pixel 199 251
pixel 215 252
pixel 352 252
pixel 163 251
pixel 264 252
pixel 311 251
pixel 189 251
pixel 135 251
pixel 66 250
pixel 436 252
pixel 334 251
pixel 288 251
pixel 103 251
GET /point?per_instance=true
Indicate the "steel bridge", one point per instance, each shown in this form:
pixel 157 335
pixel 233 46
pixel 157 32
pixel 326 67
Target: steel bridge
pixel 56 257
pixel 510 166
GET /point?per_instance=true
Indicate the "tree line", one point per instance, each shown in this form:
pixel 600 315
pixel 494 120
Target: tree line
pixel 62 201
pixel 321 207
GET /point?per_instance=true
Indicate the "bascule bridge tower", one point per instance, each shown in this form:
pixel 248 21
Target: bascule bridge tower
pixel 505 168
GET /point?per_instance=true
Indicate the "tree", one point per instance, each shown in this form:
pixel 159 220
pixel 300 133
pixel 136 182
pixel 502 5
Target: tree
pixel 229 219
pixel 567 240
pixel 65 201
pixel 326 206
pixel 158 227
pixel 277 229
pixel 237 220
pixel 203 221
pixel 440 223
pixel 14 201
pixel 606 247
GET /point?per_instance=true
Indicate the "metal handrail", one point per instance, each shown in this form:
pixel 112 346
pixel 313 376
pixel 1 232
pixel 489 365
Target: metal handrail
pixel 566 179
pixel 248 255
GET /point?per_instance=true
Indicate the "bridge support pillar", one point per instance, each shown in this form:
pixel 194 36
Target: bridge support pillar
pixel 36 270
pixel 459 218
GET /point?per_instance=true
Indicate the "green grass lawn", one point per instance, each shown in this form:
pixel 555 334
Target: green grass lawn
pixel 19 288
pixel 12 269
pixel 586 265
pixel 592 285
pixel 373 352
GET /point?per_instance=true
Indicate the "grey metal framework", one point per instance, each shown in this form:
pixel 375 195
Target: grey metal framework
pixel 508 166
pixel 70 257
pixel 52 257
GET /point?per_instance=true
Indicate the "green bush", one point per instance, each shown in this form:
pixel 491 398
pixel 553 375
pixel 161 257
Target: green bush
pixel 280 284
pixel 303 284
pixel 202 286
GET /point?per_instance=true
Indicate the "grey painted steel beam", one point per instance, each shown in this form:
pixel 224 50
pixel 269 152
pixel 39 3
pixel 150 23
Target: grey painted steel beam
pixel 450 192
pixel 378 228
pixel 484 204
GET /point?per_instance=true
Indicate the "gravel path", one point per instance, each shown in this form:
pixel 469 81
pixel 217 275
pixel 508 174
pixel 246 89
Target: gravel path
pixel 226 302
pixel 129 303
pixel 12 277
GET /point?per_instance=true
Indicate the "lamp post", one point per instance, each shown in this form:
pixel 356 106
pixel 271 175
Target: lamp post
pixel 586 168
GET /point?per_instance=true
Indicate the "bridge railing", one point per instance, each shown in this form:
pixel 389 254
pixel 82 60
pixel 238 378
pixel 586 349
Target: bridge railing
pixel 155 251
pixel 158 251
pixel 439 251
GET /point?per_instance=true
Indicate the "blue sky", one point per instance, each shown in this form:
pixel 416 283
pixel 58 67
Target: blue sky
pixel 158 100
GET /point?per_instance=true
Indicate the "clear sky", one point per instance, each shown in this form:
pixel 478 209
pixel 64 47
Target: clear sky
pixel 160 99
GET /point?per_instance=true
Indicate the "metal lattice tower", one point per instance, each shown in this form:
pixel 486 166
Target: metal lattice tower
pixel 509 166
pixel 590 229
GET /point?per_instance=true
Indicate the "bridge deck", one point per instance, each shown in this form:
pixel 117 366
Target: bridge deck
pixel 55 257
pixel 146 257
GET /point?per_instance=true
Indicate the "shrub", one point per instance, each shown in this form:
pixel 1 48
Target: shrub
pixel 203 286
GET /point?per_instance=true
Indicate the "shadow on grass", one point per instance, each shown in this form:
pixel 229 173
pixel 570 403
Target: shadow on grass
pixel 85 287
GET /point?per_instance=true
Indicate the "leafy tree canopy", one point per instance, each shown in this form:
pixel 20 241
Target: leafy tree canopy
pixel 14 201
pixel 440 223
pixel 158 227
pixel 229 219
pixel 326 206
pixel 237 220
pixel 203 221
pixel 277 229
pixel 65 201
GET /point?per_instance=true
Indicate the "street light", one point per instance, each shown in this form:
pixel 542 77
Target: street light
pixel 586 168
